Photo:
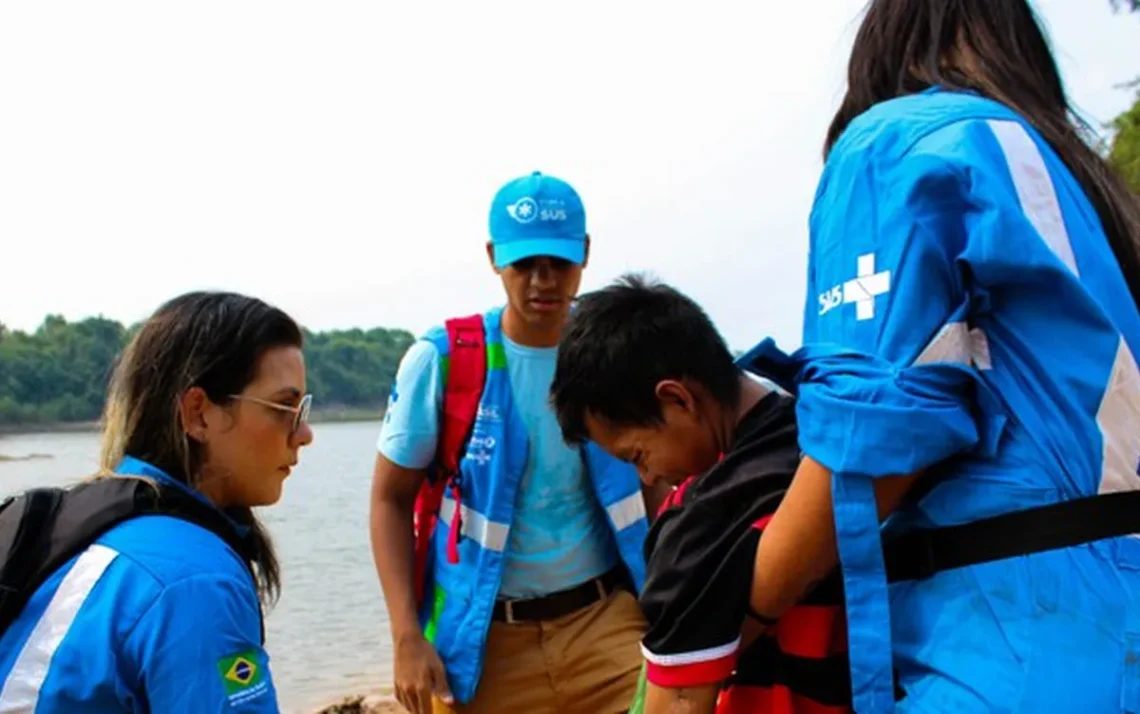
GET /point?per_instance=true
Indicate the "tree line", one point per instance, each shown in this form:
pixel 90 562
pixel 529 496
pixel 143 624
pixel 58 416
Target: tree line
pixel 59 372
pixel 1124 149
pixel 1124 153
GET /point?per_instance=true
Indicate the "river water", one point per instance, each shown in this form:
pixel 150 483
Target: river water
pixel 328 635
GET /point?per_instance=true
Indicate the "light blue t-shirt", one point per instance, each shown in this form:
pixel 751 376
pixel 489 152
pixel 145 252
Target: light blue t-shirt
pixel 559 537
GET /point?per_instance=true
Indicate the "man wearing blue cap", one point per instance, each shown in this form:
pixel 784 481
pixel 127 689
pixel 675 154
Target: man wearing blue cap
pixel 532 569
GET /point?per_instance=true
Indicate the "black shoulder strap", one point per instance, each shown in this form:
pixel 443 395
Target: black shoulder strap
pixel 25 523
pixel 917 555
pixel 43 528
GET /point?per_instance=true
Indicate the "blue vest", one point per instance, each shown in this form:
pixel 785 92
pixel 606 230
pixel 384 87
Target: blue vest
pixel 457 614
pixel 967 318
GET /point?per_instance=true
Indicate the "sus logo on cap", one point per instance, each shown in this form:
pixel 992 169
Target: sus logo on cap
pixel 537 215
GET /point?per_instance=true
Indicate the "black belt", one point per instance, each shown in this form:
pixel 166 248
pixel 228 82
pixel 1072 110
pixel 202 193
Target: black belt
pixel 917 555
pixel 561 603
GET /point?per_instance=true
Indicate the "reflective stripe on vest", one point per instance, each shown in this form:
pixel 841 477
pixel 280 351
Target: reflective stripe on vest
pixel 627 512
pixel 487 533
pixel 20 692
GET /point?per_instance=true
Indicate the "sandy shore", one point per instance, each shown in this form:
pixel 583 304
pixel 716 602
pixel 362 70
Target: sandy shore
pixel 373 704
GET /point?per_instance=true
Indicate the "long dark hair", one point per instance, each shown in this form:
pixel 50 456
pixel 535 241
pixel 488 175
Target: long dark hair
pixel 996 48
pixel 211 340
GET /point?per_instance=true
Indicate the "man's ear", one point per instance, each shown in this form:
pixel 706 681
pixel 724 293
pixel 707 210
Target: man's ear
pixel 192 409
pixel 672 394
pixel 491 258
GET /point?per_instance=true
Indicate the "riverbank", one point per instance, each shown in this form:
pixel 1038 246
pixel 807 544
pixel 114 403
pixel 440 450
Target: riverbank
pixel 48 427
pixel 25 457
pixel 327 415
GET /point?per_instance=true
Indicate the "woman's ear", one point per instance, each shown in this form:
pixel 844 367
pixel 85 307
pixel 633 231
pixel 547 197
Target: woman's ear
pixel 192 408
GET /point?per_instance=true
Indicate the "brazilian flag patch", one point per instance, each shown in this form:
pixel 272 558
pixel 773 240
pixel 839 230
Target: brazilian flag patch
pixel 242 676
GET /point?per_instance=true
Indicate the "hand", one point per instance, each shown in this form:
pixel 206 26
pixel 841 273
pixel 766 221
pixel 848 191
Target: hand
pixel 419 674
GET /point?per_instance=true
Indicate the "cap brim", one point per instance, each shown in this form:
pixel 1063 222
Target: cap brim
pixel 514 251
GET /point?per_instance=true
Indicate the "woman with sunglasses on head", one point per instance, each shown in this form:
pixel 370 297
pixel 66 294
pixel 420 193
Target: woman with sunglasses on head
pixel 969 379
pixel 161 614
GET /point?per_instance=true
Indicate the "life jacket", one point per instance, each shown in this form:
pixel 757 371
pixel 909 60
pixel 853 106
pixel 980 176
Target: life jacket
pixel 43 528
pixel 464 510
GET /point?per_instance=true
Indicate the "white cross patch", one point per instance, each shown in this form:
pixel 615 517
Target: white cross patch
pixel 862 290
pixel 866 285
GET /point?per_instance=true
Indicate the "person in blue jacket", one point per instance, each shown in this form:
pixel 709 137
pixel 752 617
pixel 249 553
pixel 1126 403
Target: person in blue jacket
pixel 160 614
pixel 970 343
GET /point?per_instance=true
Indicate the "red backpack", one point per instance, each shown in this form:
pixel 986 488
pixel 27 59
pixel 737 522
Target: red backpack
pixel 463 388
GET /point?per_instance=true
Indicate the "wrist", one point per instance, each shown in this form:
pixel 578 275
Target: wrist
pixel 404 636
pixel 403 621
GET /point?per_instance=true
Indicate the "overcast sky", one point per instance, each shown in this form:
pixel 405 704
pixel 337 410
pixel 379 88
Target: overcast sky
pixel 338 159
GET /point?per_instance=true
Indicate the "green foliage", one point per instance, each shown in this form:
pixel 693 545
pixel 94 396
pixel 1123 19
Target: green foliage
pixel 1125 151
pixel 59 372
pixel 354 368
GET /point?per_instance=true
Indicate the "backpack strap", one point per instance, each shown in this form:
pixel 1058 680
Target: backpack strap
pixel 462 388
pixel 25 541
pixel 919 554
pixel 44 528
pixel 461 395
pixel 463 379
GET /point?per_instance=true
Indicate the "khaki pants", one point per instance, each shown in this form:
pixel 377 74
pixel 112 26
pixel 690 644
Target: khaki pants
pixel 586 662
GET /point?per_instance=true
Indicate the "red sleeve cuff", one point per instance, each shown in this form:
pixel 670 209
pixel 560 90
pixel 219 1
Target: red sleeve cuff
pixel 691 669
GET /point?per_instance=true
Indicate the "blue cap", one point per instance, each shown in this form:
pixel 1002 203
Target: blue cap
pixel 537 215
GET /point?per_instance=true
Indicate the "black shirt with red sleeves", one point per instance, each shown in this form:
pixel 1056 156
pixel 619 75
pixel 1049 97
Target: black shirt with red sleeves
pixel 700 554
